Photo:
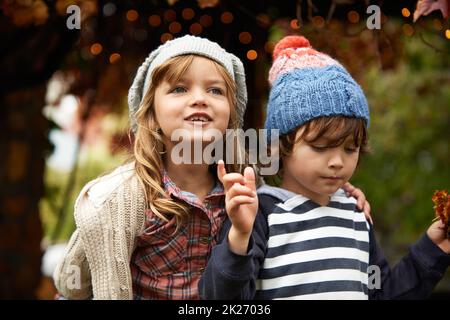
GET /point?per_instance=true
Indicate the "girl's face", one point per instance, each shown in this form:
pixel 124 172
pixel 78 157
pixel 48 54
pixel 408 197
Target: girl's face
pixel 196 103
pixel 316 170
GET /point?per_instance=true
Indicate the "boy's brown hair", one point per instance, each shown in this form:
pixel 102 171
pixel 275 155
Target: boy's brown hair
pixel 335 129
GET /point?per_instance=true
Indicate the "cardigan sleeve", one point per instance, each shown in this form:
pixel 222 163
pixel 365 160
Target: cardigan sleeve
pixel 72 276
pixel 108 218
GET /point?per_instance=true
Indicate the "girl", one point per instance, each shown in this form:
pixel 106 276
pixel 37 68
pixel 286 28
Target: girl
pixel 146 230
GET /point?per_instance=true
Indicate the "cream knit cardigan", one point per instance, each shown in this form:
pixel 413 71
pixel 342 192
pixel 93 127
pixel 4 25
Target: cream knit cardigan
pixel 109 214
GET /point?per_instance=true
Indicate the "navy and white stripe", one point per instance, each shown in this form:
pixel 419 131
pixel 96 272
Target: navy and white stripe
pixel 315 252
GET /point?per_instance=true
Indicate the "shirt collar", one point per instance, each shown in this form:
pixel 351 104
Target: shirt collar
pixel 173 190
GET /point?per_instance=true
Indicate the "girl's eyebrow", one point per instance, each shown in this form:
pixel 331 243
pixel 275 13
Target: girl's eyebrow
pixel 207 80
pixel 215 81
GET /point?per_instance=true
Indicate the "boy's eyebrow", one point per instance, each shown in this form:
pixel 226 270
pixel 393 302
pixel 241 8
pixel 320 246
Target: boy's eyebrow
pixel 332 140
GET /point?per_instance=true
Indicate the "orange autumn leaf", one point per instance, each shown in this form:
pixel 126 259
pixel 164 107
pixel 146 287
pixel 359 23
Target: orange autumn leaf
pixel 424 7
pixel 441 200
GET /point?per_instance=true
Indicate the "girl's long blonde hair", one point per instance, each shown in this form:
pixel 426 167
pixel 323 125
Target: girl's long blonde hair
pixel 149 147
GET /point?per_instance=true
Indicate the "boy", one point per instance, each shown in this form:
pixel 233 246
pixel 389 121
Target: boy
pixel 308 240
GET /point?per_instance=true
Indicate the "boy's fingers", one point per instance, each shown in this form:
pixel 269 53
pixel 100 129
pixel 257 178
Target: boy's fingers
pixel 250 180
pixel 221 171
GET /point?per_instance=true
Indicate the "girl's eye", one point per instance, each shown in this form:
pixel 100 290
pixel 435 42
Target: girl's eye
pixel 216 91
pixel 178 90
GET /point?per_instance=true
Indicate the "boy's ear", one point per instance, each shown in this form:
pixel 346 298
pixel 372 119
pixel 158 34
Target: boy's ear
pixel 274 149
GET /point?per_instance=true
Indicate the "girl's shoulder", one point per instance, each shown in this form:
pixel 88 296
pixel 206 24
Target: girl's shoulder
pixel 99 190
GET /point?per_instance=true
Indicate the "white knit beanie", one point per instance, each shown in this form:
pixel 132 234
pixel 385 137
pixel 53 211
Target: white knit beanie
pixel 181 46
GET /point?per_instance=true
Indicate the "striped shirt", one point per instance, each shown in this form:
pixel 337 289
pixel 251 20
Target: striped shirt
pixel 315 252
pixel 168 265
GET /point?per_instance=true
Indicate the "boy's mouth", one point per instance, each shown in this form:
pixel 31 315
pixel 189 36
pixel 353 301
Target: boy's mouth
pixel 332 178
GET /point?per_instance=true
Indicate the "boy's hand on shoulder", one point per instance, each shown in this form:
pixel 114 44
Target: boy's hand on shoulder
pixel 437 233
pixel 241 203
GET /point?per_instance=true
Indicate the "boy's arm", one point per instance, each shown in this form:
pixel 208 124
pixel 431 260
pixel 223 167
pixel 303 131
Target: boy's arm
pixel 232 276
pixel 414 277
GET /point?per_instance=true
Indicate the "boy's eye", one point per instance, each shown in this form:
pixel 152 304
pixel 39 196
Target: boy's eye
pixel 178 90
pixel 350 150
pixel 216 91
pixel 319 148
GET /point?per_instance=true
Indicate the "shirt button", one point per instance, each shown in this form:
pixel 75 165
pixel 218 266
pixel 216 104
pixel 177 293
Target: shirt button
pixel 204 240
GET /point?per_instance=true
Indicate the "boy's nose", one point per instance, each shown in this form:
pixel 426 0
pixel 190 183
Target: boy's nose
pixel 336 161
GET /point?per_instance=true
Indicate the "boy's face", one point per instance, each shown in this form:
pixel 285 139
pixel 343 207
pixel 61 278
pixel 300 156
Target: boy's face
pixel 317 170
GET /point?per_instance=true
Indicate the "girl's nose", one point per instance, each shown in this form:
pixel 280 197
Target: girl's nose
pixel 198 98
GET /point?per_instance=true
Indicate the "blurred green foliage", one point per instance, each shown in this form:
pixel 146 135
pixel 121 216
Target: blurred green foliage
pixel 93 164
pixel 409 135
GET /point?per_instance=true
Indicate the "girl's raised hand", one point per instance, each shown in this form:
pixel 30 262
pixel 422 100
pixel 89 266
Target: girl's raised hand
pixel 241 204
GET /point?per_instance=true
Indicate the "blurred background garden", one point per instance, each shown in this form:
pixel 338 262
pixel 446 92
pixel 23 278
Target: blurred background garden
pixel 64 114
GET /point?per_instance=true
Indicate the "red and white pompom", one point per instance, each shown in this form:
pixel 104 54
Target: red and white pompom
pixel 290 42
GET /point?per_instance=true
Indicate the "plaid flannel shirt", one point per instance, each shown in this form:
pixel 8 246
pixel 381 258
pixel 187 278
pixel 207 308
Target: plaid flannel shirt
pixel 168 265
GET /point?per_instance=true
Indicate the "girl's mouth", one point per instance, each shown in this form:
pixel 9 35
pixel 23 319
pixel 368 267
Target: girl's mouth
pixel 199 118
